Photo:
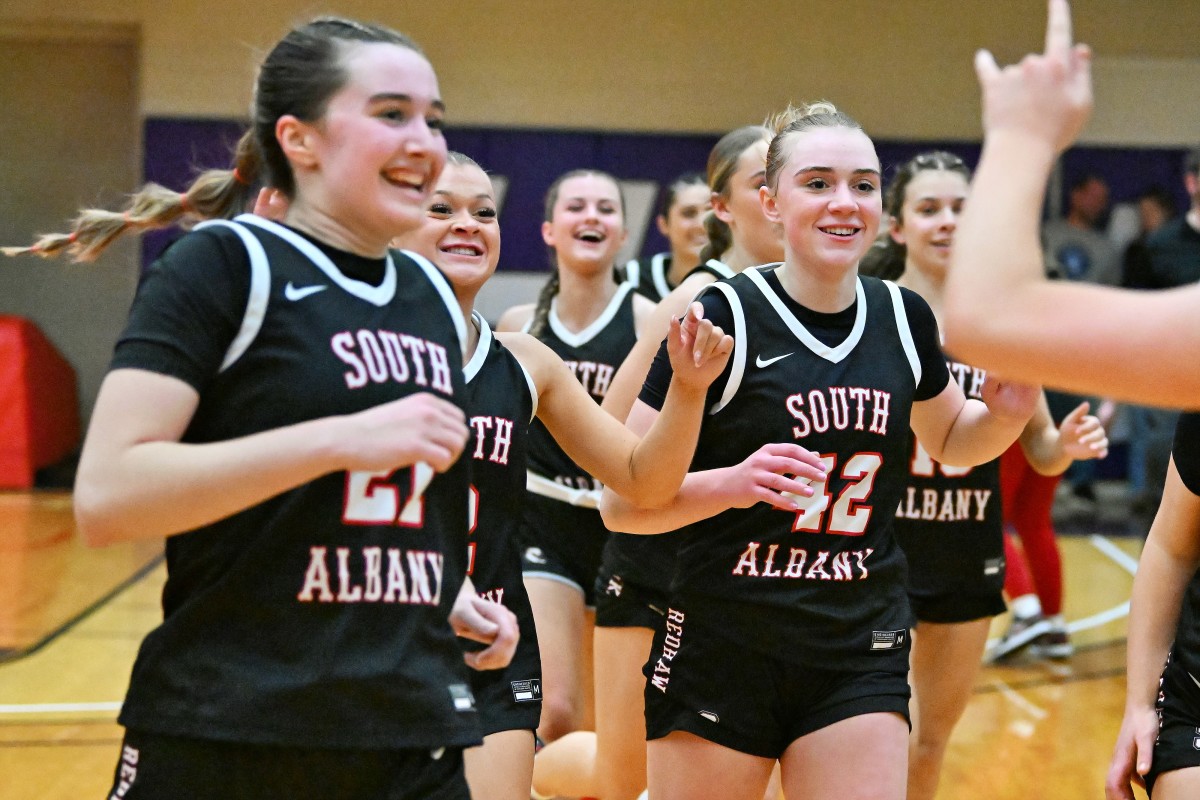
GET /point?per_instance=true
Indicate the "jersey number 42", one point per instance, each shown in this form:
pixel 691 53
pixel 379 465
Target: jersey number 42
pixel 849 514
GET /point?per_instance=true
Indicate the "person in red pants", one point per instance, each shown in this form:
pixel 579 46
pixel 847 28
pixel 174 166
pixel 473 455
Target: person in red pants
pixel 1033 582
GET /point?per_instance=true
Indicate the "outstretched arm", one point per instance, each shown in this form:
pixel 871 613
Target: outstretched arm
pixel 1001 313
pixel 1050 449
pixel 648 469
pixel 964 432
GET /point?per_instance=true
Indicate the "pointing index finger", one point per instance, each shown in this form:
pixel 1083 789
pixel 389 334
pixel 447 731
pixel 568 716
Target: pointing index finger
pixel 1058 30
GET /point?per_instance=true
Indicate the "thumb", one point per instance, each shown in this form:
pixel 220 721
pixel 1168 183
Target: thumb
pixel 985 66
pixel 471 624
pixel 1078 412
pixel 1143 750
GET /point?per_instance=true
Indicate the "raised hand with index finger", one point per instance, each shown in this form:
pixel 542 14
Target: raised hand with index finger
pixel 1046 97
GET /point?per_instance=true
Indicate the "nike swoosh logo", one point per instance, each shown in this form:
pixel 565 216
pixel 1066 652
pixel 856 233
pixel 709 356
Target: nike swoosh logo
pixel 294 293
pixel 760 363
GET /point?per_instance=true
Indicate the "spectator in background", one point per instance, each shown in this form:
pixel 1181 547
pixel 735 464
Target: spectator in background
pixel 1082 252
pixel 1155 207
pixel 1173 251
pixel 1150 429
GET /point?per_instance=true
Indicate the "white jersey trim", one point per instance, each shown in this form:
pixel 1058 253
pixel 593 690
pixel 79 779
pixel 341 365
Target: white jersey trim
pixel 597 326
pixel 658 273
pixel 379 295
pixel 633 271
pixel 721 267
pixel 533 392
pixel 583 498
pixel 482 348
pixel 472 367
pixel 819 348
pixel 260 291
pixel 738 360
pixel 442 285
pixel 906 337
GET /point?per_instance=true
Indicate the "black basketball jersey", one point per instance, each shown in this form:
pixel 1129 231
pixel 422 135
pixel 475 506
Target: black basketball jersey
pixel 824 586
pixel 593 356
pixel 649 276
pixel 1186 454
pixel 949 520
pixel 317 618
pixel 502 399
pixel 649 561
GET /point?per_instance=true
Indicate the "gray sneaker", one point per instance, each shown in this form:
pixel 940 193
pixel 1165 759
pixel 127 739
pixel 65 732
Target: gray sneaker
pixel 1020 634
pixel 1054 643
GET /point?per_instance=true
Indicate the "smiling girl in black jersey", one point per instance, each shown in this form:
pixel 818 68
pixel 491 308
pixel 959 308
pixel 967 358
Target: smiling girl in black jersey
pixel 786 638
pixel 285 406
pixel 511 379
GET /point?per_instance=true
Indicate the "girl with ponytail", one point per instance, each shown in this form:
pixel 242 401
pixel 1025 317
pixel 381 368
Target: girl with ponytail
pixel 957 562
pixel 285 407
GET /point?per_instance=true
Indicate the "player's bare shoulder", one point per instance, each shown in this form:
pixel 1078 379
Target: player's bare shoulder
pixel 538 360
pixel 516 318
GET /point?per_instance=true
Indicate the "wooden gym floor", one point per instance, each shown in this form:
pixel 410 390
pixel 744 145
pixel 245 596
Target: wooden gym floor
pixel 71 620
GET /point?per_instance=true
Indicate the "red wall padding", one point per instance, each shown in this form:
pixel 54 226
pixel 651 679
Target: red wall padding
pixel 39 408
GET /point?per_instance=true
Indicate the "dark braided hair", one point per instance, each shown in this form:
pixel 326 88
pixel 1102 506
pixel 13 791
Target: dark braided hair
pixel 887 257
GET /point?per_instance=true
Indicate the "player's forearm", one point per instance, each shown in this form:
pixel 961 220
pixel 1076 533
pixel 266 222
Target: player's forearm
pixel 978 436
pixel 661 460
pixel 627 382
pixel 1045 452
pixel 701 496
pixel 997 250
pixel 1158 591
pixel 155 489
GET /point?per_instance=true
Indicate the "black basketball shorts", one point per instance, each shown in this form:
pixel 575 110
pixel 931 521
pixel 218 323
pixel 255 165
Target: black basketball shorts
pixel 625 603
pixel 159 767
pixel 511 698
pixel 707 685
pixel 957 606
pixel 562 542
pixel 1178 743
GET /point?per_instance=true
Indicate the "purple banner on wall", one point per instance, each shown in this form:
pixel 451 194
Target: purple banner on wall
pixel 176 149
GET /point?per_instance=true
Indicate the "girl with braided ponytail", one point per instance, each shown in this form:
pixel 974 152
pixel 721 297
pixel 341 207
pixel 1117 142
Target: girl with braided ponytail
pixel 591 322
pixel 285 406
pixel 635 571
pixel 956 560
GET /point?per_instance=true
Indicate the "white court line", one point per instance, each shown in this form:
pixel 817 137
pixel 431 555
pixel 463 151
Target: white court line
pixel 1013 696
pixel 55 708
pixel 1123 559
pixel 1096 620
